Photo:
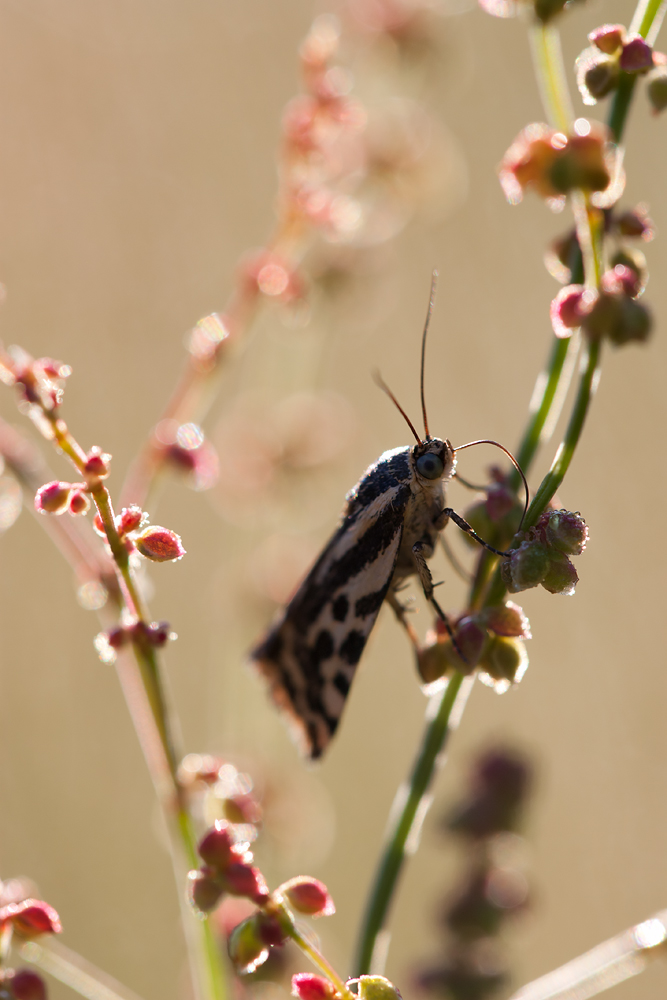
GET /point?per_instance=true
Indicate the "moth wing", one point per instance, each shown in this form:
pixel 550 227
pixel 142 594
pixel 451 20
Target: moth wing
pixel 310 655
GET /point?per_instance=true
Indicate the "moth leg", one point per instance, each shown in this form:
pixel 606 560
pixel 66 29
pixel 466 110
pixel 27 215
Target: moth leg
pixel 426 580
pixel 401 612
pixel 469 530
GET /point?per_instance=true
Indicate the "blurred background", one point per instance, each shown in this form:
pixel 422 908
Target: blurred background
pixel 137 167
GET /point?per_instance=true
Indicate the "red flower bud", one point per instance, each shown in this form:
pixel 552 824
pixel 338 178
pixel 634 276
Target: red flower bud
pixel 159 544
pixel 621 280
pixel 273 928
pixel 31 917
pixel 308 895
pixel 569 308
pixel 608 37
pixel 130 519
pixel 637 55
pixel 27 985
pixel 308 986
pixel 241 879
pixel 97 463
pixel 218 847
pixel 53 498
pixel 79 502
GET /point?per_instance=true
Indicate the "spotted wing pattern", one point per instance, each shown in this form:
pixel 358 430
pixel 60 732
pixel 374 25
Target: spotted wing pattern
pixel 310 655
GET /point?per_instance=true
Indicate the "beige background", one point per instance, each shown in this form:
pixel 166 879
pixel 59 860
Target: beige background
pixel 136 165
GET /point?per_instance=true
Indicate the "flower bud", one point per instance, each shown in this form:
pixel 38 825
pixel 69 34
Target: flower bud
pixel 656 86
pixel 241 879
pixel 27 985
pixel 97 463
pixel 129 519
pixel 377 988
pixel 561 256
pixel 621 280
pixel 246 949
pixel 204 889
pixel 619 318
pixel 31 917
pixel 79 502
pixel 159 544
pixel 634 260
pixel 308 895
pixel 637 55
pixel 308 986
pixel 218 847
pixel 507 619
pixel 636 221
pixel 242 807
pixel 470 638
pixel 565 530
pixel 568 309
pixel 117 637
pixel 500 786
pixel 608 37
pixel 273 928
pixel 597 74
pixel 53 498
pixel 505 660
pixel 561 576
pixel 525 567
pixel 435 660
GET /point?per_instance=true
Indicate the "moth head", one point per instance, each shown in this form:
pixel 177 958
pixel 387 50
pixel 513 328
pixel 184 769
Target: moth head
pixel 433 459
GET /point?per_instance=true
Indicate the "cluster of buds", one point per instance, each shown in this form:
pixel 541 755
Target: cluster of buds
pixel 491 640
pixel 612 52
pixel 563 255
pixel 494 887
pixel 611 313
pixel 496 517
pixel 28 919
pixel 155 634
pixel 57 497
pixel 228 869
pixel 40 381
pixel 152 541
pixel 552 164
pixel 542 556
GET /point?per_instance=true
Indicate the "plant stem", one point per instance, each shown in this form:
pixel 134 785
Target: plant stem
pixel 318 959
pixel 408 811
pixel 550 72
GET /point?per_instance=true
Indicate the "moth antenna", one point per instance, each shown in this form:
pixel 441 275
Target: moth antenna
pixel 514 462
pixel 431 303
pixel 385 388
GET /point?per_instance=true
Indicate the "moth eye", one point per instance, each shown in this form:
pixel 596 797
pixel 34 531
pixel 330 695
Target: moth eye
pixel 430 466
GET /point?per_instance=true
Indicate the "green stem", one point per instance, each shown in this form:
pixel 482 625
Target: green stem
pixel 551 77
pixel 645 22
pixel 407 813
pixel 318 960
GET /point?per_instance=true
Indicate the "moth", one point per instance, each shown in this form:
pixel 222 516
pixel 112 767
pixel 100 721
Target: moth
pixel 387 531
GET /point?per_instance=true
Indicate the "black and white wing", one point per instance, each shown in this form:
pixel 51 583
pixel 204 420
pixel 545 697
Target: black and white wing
pixel 310 655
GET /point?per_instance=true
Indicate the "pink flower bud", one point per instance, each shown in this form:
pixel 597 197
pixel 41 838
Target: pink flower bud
pixel 130 519
pixel 218 847
pixel 79 503
pixel 204 889
pixel 621 280
pixel 637 55
pixel 98 526
pixel 117 637
pixel 308 895
pixel 241 879
pixel 97 463
pixel 308 986
pixel 246 949
pixel 159 544
pixel 31 917
pixel 27 985
pixel 569 308
pixel 608 37
pixel 53 498
pixel 273 928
